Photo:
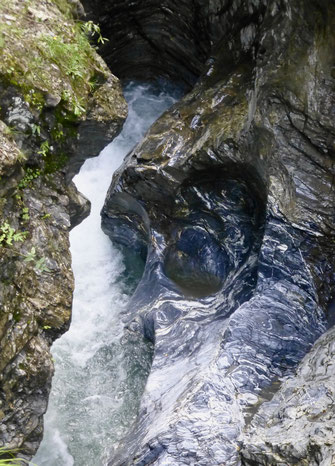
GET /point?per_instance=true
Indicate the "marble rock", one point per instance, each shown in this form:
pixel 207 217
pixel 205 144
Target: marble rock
pixel 230 200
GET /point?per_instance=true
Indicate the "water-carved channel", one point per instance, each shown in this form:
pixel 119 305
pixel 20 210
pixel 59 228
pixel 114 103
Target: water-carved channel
pixel 99 375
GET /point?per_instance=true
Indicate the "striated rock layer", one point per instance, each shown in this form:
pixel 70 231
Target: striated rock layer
pixel 297 426
pixel 230 199
pixel 169 38
pixel 59 104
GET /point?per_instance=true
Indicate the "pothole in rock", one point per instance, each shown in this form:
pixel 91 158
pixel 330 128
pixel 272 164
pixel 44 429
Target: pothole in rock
pixel 216 226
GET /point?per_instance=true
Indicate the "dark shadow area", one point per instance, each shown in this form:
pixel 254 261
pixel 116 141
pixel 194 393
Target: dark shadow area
pixel 331 313
pixel 171 39
pixel 217 223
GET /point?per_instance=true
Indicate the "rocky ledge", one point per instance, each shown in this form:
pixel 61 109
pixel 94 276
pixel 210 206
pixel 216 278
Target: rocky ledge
pixel 59 104
pixel 230 201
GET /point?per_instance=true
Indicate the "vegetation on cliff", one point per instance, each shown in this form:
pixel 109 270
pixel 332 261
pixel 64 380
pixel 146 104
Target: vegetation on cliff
pixel 59 104
pixel 47 59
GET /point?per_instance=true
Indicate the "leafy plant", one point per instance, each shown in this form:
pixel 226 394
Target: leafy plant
pixel 35 98
pixel 90 28
pixel 67 55
pixel 44 149
pixel 8 235
pixel 39 264
pixel 31 256
pixel 76 105
pixel 78 108
pixel 57 132
pixel 35 129
pixel 25 213
pixel 30 175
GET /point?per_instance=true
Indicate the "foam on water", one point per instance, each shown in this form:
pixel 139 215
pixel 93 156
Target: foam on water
pixel 99 377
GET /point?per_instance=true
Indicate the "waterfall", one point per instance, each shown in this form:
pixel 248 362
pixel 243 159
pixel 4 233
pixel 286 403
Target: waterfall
pixel 99 374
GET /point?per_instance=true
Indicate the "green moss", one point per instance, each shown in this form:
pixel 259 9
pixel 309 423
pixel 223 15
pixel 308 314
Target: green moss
pixel 17 315
pixel 44 51
pixel 57 132
pixel 66 120
pixel 48 57
pixel 55 162
pixel 34 98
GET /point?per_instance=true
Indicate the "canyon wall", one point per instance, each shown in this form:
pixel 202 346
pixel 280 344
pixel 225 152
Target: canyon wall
pixel 230 200
pixel 59 104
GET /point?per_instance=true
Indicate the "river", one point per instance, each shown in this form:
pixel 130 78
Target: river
pixel 99 375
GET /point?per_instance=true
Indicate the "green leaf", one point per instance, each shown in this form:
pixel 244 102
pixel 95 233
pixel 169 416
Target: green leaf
pixel 31 255
pixel 40 265
pixel 20 236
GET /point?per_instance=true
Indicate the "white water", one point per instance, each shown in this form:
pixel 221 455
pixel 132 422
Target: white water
pixel 99 376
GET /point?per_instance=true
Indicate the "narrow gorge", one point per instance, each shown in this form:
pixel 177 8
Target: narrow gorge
pixel 100 369
pixel 221 263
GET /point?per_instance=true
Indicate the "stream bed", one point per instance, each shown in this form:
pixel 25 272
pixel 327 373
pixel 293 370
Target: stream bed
pixel 100 374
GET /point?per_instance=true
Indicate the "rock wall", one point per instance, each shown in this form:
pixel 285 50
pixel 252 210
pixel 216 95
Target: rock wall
pixel 169 38
pixel 230 198
pixel 297 425
pixel 59 104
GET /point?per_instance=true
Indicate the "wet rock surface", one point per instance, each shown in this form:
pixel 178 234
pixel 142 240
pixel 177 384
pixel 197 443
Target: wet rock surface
pixel 47 117
pixel 303 410
pixel 230 198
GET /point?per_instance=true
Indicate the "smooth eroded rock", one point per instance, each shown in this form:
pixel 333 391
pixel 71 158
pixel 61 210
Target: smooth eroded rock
pixel 239 271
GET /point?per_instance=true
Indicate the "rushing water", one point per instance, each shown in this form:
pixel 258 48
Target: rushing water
pixel 99 375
